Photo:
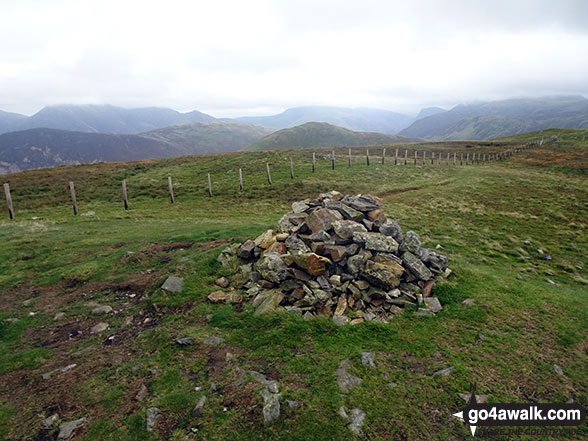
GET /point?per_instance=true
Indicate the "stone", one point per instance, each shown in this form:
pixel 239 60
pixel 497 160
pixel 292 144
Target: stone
pixel 295 245
pixel 212 340
pixel 335 280
pixel 272 268
pixel 415 266
pixel 357 417
pixel 340 320
pixel 184 341
pixel 392 228
pixel 384 274
pixel 342 413
pixel 173 284
pixel 246 249
pixel 268 301
pixel 271 405
pixel 69 367
pixel 392 384
pixel 299 207
pixel 224 297
pixel 354 264
pixel 49 422
pixel 377 216
pixel 100 327
pixel 428 288
pixel 336 252
pixel 479 398
pixel 102 309
pixel 410 243
pixel 292 404
pixel 66 429
pixel 346 211
pixel 314 264
pixel 151 415
pixel 368 358
pixel 322 219
pixel 199 408
pixel 469 302
pixel 142 393
pixel 222 282
pixel 433 304
pixel 346 228
pixel 265 239
pixel 444 372
pixel 364 203
pixel 376 242
pixel 558 370
pixel 356 321
pixel 341 306
pixel 59 315
pixel 436 262
pixel 345 380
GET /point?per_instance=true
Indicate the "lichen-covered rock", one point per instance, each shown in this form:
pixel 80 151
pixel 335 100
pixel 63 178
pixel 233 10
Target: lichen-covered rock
pixel 295 245
pixel 392 228
pixel 265 239
pixel 385 274
pixel 314 264
pixel 376 242
pixel 299 207
pixel 272 268
pixel 416 267
pixel 268 301
pixel 322 219
pixel 246 250
pixel 363 202
pixel 346 228
pixel 410 243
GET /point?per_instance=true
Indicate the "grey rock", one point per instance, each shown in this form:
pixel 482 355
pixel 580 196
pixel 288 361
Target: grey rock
pixel 100 327
pixel 346 211
pixel 292 404
pixel 322 219
pixel 228 257
pixel 59 315
pixel 469 302
pixel 267 301
pixel 417 267
pixel 433 304
pixel 410 243
pixel 67 368
pixel 345 380
pixel 271 405
pixel 364 203
pixel 223 282
pixel 142 393
pixel 376 242
pixel 299 207
pixel 50 421
pixel 436 262
pixel 342 412
pixel 340 320
pixel 173 284
pixel 246 249
pixel 151 414
pixel 357 419
pixel 444 372
pixel 307 316
pixel 184 341
pixel 295 245
pixel 558 370
pixel 368 358
pixel 212 340
pixel 319 236
pixel 105 309
pixel 392 384
pixel 354 264
pixel 66 429
pixel 346 228
pixel 384 274
pixel 199 408
pixel 392 229
pixel 272 268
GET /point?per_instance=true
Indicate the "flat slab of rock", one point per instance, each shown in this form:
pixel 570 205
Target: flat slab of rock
pixel 66 429
pixel 433 304
pixel 173 284
pixel 345 380
pixel 444 372
pixel 267 301
pixel 100 327
pixel 368 358
pixel 184 341
pixel 224 297
pixel 357 418
pixel 151 414
pixel 105 309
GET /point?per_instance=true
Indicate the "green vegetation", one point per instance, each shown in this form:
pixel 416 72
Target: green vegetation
pixel 314 134
pixel 490 219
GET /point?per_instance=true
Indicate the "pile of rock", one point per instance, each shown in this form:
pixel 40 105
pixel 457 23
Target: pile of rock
pixel 338 256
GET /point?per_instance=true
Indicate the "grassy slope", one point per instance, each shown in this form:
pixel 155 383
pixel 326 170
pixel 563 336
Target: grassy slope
pixel 481 215
pixel 313 134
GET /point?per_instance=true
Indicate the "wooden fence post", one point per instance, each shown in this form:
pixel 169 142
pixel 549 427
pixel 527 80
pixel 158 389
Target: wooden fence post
pixel 291 168
pixel 432 158
pixel 171 190
pixel 313 161
pixel 74 202
pixel 9 201
pixel 367 157
pixel 461 159
pixel 415 156
pixel 240 180
pixel 454 158
pixel 405 157
pixel 349 158
pixel 383 155
pixel 424 158
pixel 396 158
pixel 269 176
pixel 209 186
pixel 332 159
pixel 124 192
pixel 468 158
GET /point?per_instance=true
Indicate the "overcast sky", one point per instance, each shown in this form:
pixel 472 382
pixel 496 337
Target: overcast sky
pixel 248 57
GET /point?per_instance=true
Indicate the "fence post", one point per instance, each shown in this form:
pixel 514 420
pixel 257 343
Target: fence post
pixel 396 158
pixel 240 180
pixel 454 158
pixel 313 161
pixel 383 155
pixel 415 156
pixel 461 159
pixel 432 158
pixel 405 157
pixel 367 157
pixel 332 159
pixel 269 176
pixel 209 186
pixel 171 189
pixel 424 158
pixel 124 192
pixel 72 192
pixel 468 158
pixel 291 168
pixel 349 158
pixel 9 201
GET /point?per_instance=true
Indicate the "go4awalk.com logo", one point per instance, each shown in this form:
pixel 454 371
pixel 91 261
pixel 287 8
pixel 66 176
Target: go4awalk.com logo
pixel 519 414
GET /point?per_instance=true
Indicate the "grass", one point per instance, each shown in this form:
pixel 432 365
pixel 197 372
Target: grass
pixel 490 219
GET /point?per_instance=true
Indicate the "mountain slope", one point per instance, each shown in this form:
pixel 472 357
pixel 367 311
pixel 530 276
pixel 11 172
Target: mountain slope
pixel 42 148
pixel 9 120
pixel 103 119
pixel 311 135
pixel 502 118
pixel 361 119
pixel 209 137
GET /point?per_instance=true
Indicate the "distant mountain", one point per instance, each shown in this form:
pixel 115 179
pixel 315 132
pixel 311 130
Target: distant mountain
pixel 429 111
pixel 102 119
pixel 502 118
pixel 9 120
pixel 209 137
pixel 362 119
pixel 42 148
pixel 314 135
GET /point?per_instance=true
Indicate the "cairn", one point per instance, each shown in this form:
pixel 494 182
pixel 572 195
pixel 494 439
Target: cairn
pixel 337 256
